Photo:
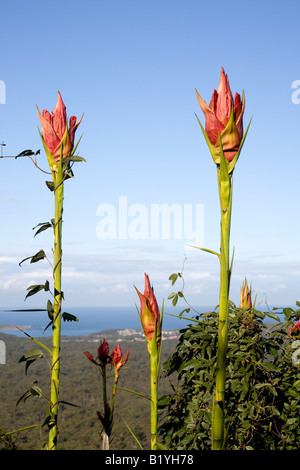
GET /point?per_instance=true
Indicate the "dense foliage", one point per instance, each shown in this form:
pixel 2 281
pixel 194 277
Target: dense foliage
pixel 262 384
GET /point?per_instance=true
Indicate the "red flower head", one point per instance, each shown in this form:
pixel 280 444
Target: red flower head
pixel 56 135
pixel 103 354
pixel 116 358
pixel 150 316
pixel 224 117
pixel 103 351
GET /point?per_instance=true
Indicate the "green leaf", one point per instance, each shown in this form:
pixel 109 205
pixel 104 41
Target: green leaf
pixel 207 250
pixel 186 310
pixel 173 278
pixel 43 226
pixel 31 356
pixel 50 185
pixel 233 162
pixel 224 181
pixel 37 288
pixel 34 390
pixel 69 404
pixel 287 312
pixel 170 296
pixel 69 317
pixel 215 155
pixel 133 435
pixel 35 258
pixel 273 316
pixel 75 158
pixel 50 309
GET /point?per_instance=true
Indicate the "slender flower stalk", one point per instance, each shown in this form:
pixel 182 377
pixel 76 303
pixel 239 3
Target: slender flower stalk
pixel 224 135
pixel 116 360
pixel 57 270
pixel 218 434
pixel 151 320
pixel 58 141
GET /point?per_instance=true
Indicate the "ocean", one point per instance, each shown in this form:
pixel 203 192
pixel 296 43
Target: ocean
pixel 91 320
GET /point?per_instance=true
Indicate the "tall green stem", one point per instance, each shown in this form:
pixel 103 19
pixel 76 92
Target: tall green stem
pixel 154 370
pixel 55 368
pixel 225 192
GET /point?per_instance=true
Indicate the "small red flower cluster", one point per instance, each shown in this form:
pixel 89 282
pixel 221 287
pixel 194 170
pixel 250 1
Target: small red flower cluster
pixel 103 357
pixel 294 330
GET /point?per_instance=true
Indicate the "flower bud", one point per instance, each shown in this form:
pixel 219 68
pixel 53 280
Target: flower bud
pixel 150 316
pixel 103 351
pixel 224 120
pixel 102 354
pixel 116 357
pixel 245 301
pixel 57 137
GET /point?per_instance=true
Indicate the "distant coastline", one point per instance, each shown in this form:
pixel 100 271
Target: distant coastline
pixel 14 327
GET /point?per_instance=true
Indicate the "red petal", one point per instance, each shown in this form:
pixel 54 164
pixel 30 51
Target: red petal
pixel 213 128
pixel 89 356
pixel 59 117
pixel 126 357
pixel 50 137
pixel 142 300
pixel 103 350
pixel 238 109
pixel 150 297
pixel 213 101
pixel 212 124
pixel 224 100
pixel 116 355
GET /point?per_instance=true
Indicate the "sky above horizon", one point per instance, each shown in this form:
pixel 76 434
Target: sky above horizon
pixel 132 68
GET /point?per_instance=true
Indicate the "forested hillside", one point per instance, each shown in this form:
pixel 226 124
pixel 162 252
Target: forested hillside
pixel 81 385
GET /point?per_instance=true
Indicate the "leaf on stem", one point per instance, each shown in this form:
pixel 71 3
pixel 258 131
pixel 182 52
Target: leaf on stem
pixel 35 258
pixel 69 317
pixel 30 357
pixel 207 250
pixel 37 288
pixel 34 390
pixel 43 226
pixel 174 277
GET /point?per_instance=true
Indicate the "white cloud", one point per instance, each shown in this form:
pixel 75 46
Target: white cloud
pixel 109 278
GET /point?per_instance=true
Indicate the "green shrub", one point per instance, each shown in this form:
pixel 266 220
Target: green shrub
pixel 262 385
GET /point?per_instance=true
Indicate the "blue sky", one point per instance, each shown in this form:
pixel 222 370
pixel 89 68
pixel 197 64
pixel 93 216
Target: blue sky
pixel 132 68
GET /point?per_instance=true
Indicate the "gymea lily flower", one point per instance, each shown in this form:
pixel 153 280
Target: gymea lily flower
pixel 225 137
pixel 117 356
pixel 245 300
pixel 224 120
pixel 149 315
pixel 102 356
pixel 151 320
pixel 58 138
